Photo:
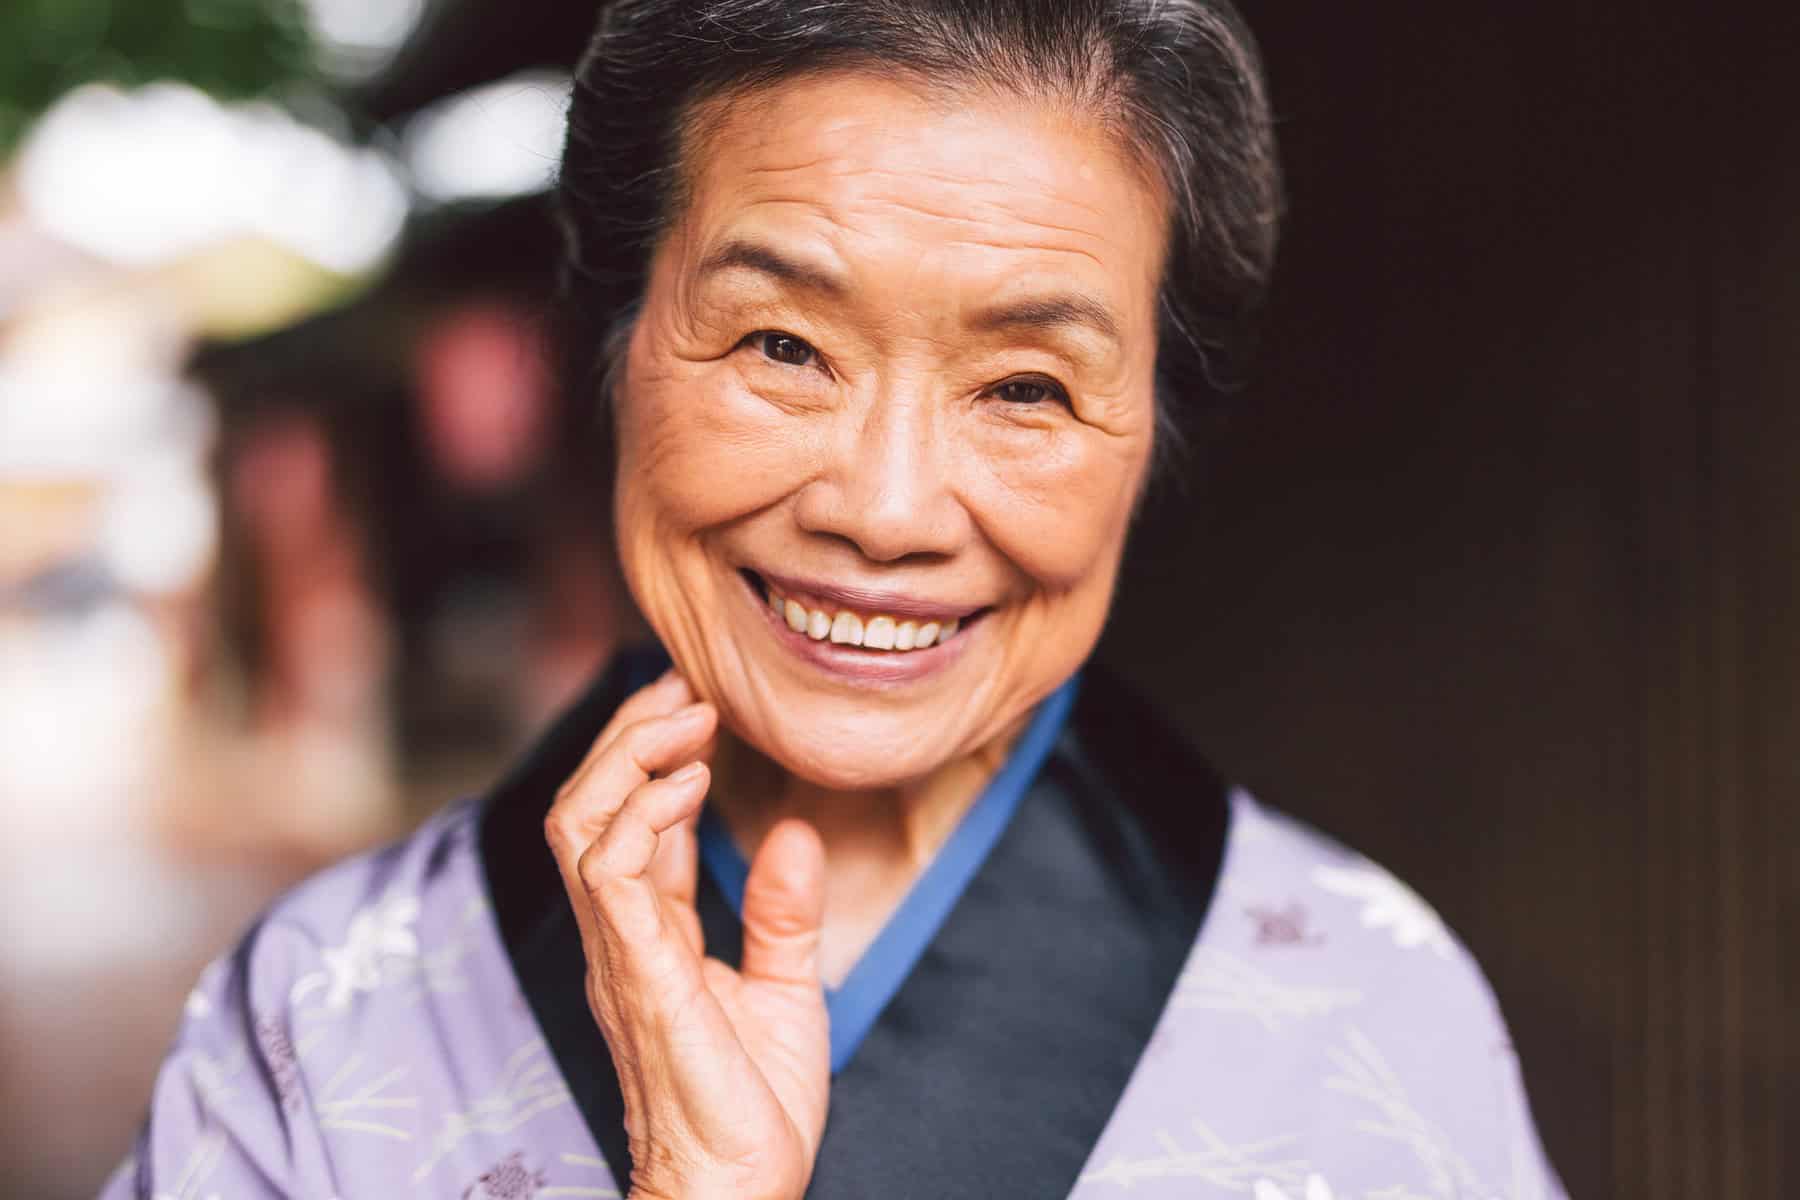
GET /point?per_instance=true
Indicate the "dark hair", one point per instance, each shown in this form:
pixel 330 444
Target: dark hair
pixel 1179 80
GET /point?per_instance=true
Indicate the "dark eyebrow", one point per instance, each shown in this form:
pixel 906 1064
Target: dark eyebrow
pixel 1048 312
pixel 754 256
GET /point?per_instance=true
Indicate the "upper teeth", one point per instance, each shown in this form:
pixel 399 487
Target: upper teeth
pixel 873 631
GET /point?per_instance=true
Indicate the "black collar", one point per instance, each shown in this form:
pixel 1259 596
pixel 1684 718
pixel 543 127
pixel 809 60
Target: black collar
pixel 1036 997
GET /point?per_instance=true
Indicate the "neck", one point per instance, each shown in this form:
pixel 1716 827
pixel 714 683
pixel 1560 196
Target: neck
pixel 876 841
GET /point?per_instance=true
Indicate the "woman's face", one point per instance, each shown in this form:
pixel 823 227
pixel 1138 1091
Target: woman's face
pixel 893 371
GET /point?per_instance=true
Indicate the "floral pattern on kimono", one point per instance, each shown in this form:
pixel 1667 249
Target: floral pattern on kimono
pixel 1328 1039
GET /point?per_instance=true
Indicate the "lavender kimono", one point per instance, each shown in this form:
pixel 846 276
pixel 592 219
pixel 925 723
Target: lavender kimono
pixel 1129 980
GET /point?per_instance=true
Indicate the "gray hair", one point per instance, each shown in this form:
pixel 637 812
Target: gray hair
pixel 1178 80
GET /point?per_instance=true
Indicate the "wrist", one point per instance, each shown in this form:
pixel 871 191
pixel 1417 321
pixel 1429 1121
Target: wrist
pixel 694 1184
pixel 698 1191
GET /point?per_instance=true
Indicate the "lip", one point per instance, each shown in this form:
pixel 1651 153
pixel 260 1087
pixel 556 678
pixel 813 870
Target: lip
pixel 895 604
pixel 855 664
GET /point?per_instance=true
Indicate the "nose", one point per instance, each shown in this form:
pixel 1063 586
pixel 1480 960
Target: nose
pixel 886 488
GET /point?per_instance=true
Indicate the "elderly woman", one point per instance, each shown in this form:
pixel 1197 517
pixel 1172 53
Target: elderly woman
pixel 857 883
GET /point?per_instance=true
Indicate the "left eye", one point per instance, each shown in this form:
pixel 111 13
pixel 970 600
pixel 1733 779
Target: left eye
pixel 782 347
pixel 1031 391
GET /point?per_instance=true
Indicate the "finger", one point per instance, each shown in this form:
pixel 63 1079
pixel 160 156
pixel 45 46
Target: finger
pixel 675 869
pixel 669 692
pixel 585 804
pixel 565 828
pixel 784 906
pixel 580 813
pixel 631 839
pixel 614 871
pixel 660 697
pixel 675 873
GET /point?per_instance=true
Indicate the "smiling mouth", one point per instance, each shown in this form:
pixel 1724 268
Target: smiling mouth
pixel 869 629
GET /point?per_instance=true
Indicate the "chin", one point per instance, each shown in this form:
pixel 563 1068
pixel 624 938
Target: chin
pixel 849 759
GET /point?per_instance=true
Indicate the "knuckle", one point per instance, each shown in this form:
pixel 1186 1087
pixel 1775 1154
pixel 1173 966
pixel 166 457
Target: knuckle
pixel 785 927
pixel 591 867
pixel 644 798
pixel 639 738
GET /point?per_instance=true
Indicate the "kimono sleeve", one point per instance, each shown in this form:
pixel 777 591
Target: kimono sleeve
pixel 225 1117
pixel 1533 1177
pixel 1475 1058
pixel 1456 1054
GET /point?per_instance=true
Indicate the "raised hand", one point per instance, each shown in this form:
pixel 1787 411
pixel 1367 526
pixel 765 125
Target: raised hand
pixel 725 1074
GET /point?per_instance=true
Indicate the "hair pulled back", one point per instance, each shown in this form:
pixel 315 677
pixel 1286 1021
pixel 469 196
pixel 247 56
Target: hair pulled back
pixel 1178 80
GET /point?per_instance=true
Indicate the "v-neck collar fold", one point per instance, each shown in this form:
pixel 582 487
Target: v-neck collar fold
pixel 857 1003
pixel 995 1064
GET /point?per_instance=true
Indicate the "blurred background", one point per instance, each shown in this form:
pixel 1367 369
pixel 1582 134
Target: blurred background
pixel 1490 574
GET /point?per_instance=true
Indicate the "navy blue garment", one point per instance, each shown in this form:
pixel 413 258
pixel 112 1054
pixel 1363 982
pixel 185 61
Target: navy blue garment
pixel 1037 994
pixel 855 1004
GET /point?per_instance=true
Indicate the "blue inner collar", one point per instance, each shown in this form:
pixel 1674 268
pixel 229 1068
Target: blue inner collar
pixel 889 959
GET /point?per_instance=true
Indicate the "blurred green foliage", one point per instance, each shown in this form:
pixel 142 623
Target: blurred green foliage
pixel 232 48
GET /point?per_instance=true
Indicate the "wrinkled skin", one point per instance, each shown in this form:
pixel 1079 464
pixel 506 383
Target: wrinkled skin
pixel 863 421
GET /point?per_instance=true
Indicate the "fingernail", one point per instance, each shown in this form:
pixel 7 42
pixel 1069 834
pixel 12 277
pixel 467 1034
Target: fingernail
pixel 688 773
pixel 689 714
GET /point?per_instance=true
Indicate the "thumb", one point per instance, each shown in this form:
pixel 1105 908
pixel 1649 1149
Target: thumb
pixel 784 905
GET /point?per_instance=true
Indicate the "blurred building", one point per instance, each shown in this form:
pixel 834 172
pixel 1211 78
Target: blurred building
pixel 291 539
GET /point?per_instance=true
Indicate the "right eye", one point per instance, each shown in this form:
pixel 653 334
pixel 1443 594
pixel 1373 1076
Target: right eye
pixel 781 347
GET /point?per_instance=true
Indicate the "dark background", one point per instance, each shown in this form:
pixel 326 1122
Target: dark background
pixel 1494 575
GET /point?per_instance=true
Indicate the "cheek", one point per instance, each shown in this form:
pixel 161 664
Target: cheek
pixel 1060 510
pixel 696 452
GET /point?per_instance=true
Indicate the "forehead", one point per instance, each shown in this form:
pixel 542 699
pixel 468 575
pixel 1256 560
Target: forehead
pixel 869 172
